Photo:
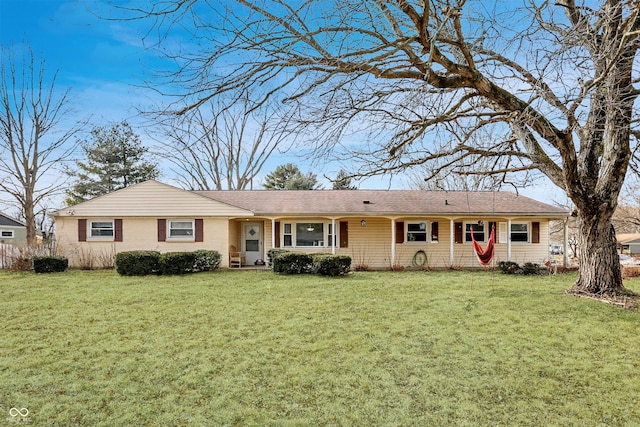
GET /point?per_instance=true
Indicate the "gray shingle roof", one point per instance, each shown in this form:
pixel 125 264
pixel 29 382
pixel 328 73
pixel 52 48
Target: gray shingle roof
pixel 383 202
pixel 10 222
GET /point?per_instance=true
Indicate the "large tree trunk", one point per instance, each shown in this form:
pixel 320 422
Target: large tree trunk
pixel 600 272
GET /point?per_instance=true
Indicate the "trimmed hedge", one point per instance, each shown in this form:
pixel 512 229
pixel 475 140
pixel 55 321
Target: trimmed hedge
pixel 286 262
pixel 207 260
pixel 49 264
pixel 137 263
pixel 177 262
pixel 142 263
pixel 527 269
pixel 331 265
pixel 293 263
pixel 273 253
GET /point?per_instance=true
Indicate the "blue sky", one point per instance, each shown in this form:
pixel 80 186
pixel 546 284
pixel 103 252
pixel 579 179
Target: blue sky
pixel 102 61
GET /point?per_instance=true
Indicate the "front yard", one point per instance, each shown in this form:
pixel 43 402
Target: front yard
pixel 91 348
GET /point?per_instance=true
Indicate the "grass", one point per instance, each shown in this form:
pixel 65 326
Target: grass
pixel 90 348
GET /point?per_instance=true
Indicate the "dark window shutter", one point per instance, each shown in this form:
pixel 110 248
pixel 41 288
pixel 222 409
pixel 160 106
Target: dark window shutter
pixel 344 234
pixel 457 232
pixel 277 233
pixel 400 232
pixel 535 232
pixel 199 230
pixel 117 229
pixel 162 230
pixel 492 226
pixel 82 230
pixel 434 232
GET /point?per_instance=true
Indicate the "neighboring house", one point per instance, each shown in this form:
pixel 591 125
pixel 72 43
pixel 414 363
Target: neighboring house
pixel 629 243
pixel 12 232
pixel 377 228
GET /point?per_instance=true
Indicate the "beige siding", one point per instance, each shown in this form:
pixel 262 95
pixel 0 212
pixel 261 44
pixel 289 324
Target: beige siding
pixel 152 198
pixel 138 234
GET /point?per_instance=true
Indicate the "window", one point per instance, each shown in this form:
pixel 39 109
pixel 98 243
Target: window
pixel 307 234
pixel 6 234
pixel 520 232
pixel 181 229
pixel 288 236
pixel 416 231
pixel 478 231
pixel 101 229
pixel 310 234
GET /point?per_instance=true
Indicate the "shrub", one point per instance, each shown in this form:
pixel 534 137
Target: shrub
pixel 273 253
pixel 137 263
pixel 509 267
pixel 206 260
pixel 177 262
pixel 331 265
pixel 531 269
pixel 293 263
pixel 49 264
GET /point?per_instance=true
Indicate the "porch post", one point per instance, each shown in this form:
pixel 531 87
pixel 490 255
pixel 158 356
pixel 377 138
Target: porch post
pixel 565 258
pixel 333 236
pixel 508 239
pixel 393 242
pixel 451 240
pixel 273 233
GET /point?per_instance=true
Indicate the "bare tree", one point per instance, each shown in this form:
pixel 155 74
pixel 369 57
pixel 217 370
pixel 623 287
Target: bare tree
pixel 215 147
pixel 33 138
pixel 555 79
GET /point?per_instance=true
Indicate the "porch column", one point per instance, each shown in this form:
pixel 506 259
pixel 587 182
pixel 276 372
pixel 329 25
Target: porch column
pixel 509 239
pixel 333 236
pixel 393 242
pixel 565 258
pixel 452 239
pixel 273 233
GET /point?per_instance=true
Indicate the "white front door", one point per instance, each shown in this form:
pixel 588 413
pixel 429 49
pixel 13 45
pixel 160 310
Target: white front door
pixel 252 241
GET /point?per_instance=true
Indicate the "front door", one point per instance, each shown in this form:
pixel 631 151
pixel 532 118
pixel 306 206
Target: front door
pixel 252 241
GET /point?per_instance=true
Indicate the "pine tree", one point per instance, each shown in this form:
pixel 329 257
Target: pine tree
pixel 289 177
pixel 115 159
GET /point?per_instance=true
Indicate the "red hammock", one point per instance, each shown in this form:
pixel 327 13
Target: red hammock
pixel 484 255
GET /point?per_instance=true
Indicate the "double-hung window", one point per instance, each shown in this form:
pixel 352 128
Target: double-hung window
pixel 102 229
pixel 181 229
pixel 478 231
pixel 520 232
pixel 417 231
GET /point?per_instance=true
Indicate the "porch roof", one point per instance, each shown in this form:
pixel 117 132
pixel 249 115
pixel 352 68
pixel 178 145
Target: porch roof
pixel 384 202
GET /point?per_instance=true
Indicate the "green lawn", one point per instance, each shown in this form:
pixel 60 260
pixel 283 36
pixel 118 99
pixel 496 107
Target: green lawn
pixel 371 349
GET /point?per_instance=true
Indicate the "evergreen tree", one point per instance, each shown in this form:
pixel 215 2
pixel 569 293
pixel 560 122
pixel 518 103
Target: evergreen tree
pixel 343 182
pixel 115 159
pixel 289 177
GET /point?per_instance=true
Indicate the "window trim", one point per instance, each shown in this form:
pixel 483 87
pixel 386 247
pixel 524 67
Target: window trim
pixel 427 232
pixel 484 231
pixel 91 228
pixel 12 236
pixel 519 242
pixel 189 237
pixel 326 243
